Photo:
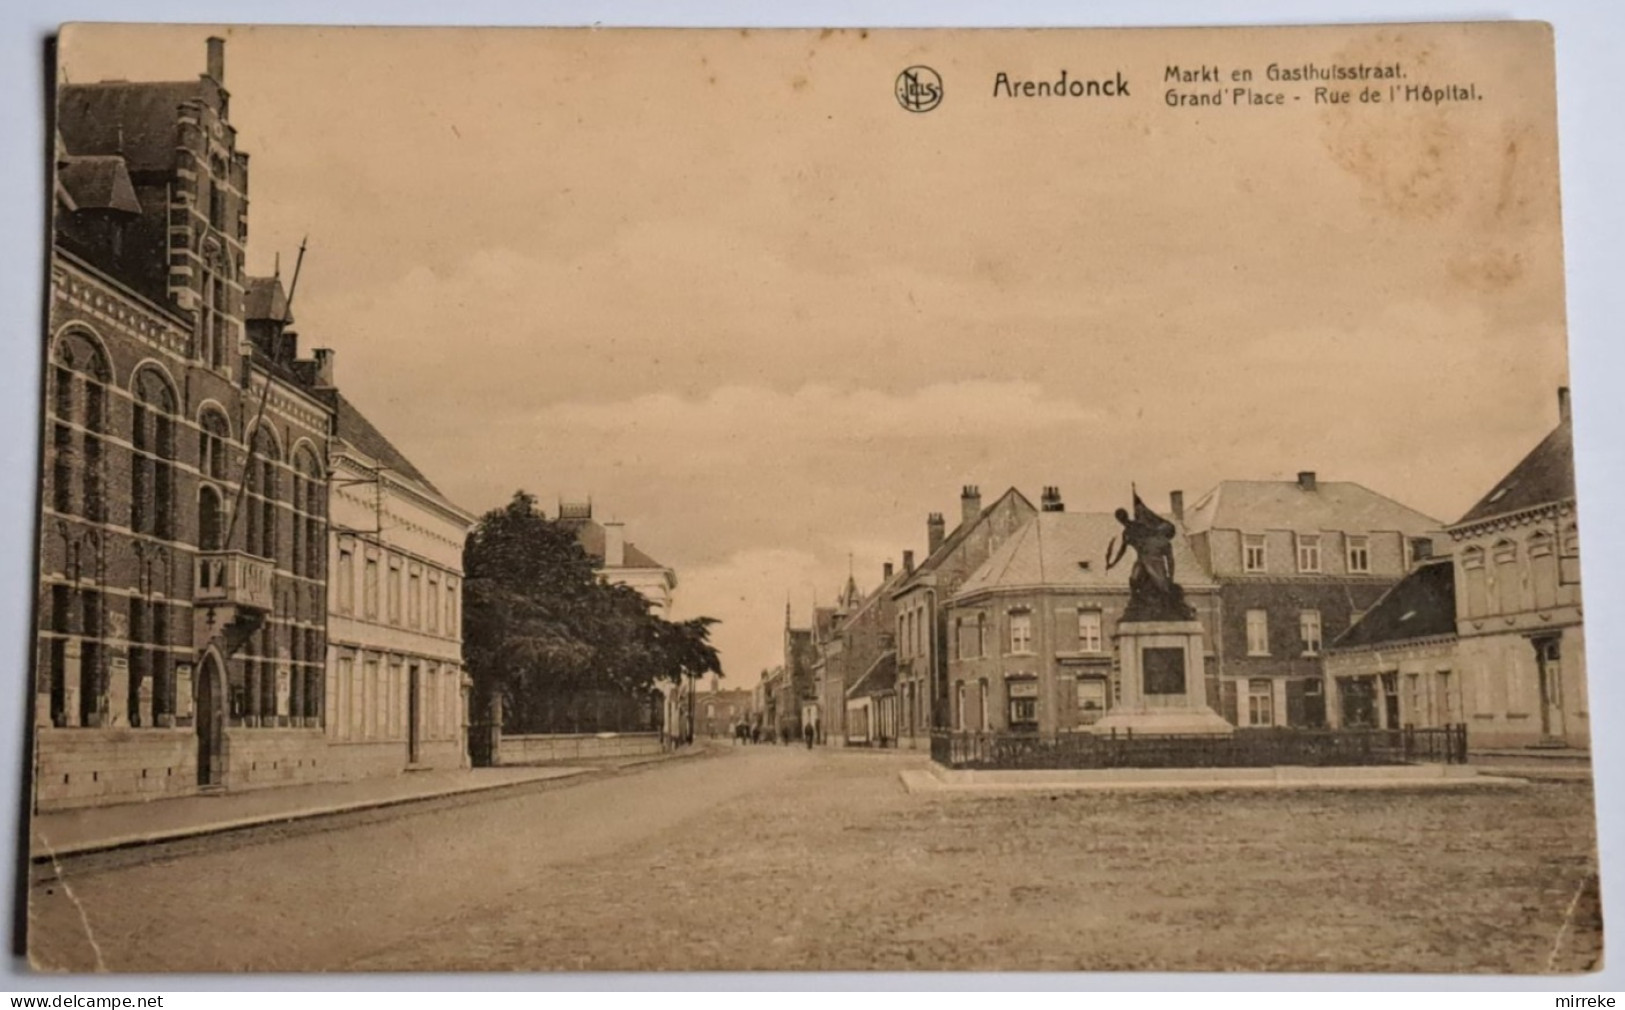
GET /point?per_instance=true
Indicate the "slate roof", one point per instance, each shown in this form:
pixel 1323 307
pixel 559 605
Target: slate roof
pixel 961 532
pixel 97 182
pixel 265 299
pixel 354 428
pixel 1544 476
pixel 878 679
pixel 1051 549
pixel 134 119
pixel 1284 505
pixel 1421 605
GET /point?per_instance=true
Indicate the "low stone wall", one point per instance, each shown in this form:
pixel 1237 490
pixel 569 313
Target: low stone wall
pixel 95 767
pixel 575 747
pixel 256 758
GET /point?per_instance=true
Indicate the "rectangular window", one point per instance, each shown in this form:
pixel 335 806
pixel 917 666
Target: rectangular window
pixel 394 592
pixel 341 718
pixel 452 627
pixel 346 580
pixel 372 705
pixel 1021 632
pixel 1359 555
pixel 1091 699
pixel 1252 558
pixel 431 607
pixel 1258 633
pixel 1260 702
pixel 1089 636
pixel 369 589
pixel 414 600
pixel 1309 629
pixel 1308 552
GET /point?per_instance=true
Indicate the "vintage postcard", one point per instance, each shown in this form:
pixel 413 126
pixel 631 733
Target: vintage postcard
pixel 603 500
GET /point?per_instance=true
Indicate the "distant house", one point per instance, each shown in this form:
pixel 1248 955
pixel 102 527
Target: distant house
pixel 618 560
pixel 717 712
pixel 1031 632
pixel 1396 666
pixel 1519 622
pixel 861 633
pixel 1296 562
pixel 921 599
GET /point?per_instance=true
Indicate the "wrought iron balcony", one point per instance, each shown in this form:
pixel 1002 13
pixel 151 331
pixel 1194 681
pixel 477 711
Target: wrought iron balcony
pixel 232 578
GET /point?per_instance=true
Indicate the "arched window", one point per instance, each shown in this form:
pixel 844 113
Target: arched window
pixel 152 455
pixel 260 503
pixel 309 499
pixel 1508 590
pixel 214 431
pixel 211 526
pixel 1475 590
pixel 79 378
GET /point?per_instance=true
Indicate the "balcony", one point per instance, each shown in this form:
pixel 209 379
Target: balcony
pixel 235 579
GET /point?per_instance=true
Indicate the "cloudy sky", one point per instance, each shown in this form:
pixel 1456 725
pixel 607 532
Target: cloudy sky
pixel 723 285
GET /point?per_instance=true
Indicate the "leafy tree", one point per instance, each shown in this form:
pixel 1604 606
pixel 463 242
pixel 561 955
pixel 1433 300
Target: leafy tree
pixel 563 649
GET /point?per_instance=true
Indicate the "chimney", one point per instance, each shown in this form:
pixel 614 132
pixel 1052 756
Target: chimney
pixel 1306 480
pixel 324 367
pixel 217 60
pixel 1051 500
pixel 908 562
pixel 1176 505
pixel 614 545
pixel 970 503
pixel 886 572
pixel 1563 404
pixel 935 532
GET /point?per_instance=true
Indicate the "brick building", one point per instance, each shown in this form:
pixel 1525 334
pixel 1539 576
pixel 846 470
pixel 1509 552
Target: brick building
pixel 1296 562
pixel 182 615
pixel 921 600
pixel 717 712
pixel 861 633
pixel 1031 633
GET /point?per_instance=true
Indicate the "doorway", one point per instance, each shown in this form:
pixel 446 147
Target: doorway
pixel 211 723
pixel 1549 660
pixel 414 709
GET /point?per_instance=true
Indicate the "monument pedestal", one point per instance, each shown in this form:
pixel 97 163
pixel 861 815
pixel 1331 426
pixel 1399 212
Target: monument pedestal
pixel 1164 690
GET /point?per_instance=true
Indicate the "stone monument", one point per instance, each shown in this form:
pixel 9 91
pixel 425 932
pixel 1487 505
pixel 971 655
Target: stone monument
pixel 1159 640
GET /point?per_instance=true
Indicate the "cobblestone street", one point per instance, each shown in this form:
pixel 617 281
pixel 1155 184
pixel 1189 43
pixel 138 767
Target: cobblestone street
pixel 769 858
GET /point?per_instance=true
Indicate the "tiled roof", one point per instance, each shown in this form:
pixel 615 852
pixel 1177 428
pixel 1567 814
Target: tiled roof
pixel 1067 550
pixel 878 679
pixel 1421 605
pixel 881 592
pixel 1545 475
pixel 961 532
pixel 98 182
pixel 354 428
pixel 1285 505
pixel 135 120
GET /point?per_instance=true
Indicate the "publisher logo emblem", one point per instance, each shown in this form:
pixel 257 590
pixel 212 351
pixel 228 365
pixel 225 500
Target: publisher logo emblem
pixel 919 89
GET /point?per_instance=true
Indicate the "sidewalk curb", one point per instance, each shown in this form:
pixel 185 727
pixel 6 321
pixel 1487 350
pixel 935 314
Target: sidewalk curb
pixel 52 854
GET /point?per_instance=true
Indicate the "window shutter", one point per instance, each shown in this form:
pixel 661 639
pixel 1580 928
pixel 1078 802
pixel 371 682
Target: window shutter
pixel 1066 629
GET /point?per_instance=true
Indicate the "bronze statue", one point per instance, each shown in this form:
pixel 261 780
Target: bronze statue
pixel 1153 595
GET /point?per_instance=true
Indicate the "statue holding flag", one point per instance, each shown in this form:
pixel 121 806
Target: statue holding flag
pixel 1153 593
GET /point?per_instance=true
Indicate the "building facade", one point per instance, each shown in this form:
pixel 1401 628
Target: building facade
pixel 1032 632
pixel 921 600
pixel 1397 665
pixel 717 713
pixel 1296 562
pixel 397 695
pixel 182 616
pixel 618 561
pixel 863 631
pixel 1519 622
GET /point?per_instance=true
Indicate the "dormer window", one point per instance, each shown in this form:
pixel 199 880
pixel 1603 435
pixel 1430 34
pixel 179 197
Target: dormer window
pixel 1252 552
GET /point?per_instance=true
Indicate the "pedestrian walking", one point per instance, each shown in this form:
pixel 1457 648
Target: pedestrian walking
pixel 807 733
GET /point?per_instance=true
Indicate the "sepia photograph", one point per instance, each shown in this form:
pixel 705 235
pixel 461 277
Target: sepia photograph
pixel 814 500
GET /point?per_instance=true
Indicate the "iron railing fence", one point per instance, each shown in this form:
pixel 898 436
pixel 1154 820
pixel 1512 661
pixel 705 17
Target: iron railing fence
pixel 1245 748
